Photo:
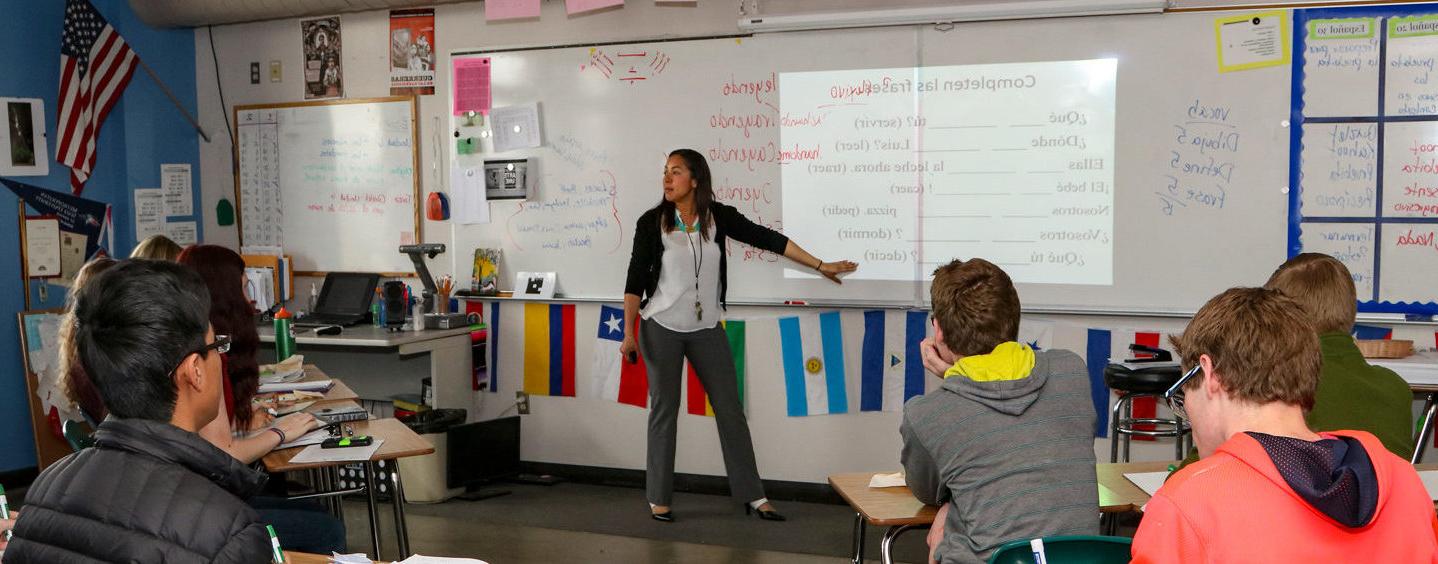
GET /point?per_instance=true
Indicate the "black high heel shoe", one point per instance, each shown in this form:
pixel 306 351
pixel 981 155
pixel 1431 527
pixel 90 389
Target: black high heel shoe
pixel 667 516
pixel 769 515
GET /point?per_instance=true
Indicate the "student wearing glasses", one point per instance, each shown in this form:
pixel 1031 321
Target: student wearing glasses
pixel 1267 488
pixel 1005 444
pixel 150 490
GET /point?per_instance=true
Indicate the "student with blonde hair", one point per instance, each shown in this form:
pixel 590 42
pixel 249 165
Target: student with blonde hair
pixel 1352 394
pixel 157 247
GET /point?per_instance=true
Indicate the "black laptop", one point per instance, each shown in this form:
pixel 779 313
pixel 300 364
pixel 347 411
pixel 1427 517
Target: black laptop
pixel 344 300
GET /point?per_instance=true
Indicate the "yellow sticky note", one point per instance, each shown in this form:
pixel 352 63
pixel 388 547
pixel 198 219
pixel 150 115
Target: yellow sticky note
pixel 1254 40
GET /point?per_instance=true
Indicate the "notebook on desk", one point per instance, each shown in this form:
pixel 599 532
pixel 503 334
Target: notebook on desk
pixel 344 300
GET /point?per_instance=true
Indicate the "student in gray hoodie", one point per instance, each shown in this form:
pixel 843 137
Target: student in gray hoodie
pixel 1005 445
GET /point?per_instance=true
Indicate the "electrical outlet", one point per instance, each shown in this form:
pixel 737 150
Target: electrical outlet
pixel 521 401
pixel 275 71
pixel 255 73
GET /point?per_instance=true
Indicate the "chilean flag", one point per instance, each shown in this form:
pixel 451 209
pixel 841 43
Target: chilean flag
pixel 614 377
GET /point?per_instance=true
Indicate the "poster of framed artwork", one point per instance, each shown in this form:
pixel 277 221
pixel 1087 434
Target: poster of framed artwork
pixel 23 147
pixel 42 247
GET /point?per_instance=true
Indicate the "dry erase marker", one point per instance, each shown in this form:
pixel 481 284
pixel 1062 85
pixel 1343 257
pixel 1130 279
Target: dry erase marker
pixel 794 302
pixel 275 544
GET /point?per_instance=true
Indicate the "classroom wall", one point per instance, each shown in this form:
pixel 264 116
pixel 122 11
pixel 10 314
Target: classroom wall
pixel 567 430
pixel 143 130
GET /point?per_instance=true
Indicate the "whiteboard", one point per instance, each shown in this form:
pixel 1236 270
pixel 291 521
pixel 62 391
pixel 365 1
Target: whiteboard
pixel 332 183
pixel 1200 166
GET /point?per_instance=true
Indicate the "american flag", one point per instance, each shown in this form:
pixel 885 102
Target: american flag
pixel 95 66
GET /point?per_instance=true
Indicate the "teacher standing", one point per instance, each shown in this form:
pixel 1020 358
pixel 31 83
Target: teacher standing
pixel 676 284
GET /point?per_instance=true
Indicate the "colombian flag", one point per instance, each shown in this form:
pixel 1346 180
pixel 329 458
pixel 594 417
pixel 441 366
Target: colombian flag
pixel 698 401
pixel 549 349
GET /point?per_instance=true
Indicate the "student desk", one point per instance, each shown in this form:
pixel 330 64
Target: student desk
pixel 399 442
pixel 379 363
pixel 1421 373
pixel 897 509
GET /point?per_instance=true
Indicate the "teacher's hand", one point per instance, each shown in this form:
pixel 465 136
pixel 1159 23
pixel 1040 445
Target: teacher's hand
pixel 832 270
pixel 627 347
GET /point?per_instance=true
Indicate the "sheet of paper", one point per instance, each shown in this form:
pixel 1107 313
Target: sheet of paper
pixel 887 480
pixel 471 201
pixel 1430 482
pixel 149 212
pixel 179 192
pixel 581 6
pixel 510 9
pixel 471 85
pixel 72 253
pixel 422 559
pixel 183 233
pixel 42 247
pixel 1253 40
pixel 515 127
pixel 1149 482
pixel 306 385
pixel 315 453
pixel 356 558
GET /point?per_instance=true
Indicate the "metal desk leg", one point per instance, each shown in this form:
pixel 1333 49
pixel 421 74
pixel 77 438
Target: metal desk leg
pixel 858 543
pixel 369 492
pixel 1429 407
pixel 885 555
pixel 401 532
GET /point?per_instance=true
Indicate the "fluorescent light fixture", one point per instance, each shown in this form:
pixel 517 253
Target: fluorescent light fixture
pixel 973 12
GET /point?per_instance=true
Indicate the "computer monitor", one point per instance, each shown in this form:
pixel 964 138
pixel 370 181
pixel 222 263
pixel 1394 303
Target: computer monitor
pixel 483 452
pixel 346 293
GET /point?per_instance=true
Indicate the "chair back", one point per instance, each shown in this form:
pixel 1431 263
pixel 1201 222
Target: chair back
pixel 78 435
pixel 1068 549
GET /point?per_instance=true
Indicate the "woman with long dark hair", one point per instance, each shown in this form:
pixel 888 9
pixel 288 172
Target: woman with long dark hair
pixel 676 285
pixel 232 314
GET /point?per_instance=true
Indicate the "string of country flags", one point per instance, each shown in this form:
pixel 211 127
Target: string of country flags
pixel 811 356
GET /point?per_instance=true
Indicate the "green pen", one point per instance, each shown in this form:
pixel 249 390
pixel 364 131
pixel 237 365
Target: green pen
pixel 4 511
pixel 275 544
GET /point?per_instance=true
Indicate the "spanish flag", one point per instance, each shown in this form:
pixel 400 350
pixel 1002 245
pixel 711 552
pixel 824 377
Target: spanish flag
pixel 549 349
pixel 698 400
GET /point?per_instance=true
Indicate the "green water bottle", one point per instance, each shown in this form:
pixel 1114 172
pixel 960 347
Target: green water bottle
pixel 284 335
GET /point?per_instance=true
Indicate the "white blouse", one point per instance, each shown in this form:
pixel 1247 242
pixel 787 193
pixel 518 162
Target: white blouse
pixel 687 256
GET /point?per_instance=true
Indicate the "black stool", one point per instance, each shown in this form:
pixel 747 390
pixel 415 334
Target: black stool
pixel 1134 380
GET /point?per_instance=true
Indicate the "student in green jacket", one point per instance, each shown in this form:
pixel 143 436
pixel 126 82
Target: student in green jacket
pixel 1352 394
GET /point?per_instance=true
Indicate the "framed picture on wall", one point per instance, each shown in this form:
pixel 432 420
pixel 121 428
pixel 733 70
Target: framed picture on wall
pixel 23 148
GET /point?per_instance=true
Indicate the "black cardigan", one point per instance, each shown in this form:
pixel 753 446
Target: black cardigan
pixel 644 260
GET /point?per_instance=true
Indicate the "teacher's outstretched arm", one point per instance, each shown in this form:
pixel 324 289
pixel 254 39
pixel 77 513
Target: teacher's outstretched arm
pixel 830 270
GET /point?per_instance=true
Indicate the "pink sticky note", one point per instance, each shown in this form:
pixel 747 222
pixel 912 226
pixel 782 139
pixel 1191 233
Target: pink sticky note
pixel 471 85
pixel 510 9
pixel 581 6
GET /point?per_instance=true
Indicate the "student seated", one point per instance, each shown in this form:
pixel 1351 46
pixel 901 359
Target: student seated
pixel 150 490
pixel 1352 394
pixel 1006 443
pixel 1267 488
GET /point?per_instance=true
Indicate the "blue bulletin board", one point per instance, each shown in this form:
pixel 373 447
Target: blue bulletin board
pixel 1363 161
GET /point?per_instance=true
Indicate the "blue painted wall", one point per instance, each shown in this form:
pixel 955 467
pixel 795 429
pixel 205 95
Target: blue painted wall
pixel 143 131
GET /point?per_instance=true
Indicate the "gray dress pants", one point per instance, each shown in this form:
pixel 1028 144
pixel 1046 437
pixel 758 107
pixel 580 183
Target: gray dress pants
pixel 708 350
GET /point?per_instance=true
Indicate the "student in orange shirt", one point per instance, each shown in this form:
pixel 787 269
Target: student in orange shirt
pixel 1267 488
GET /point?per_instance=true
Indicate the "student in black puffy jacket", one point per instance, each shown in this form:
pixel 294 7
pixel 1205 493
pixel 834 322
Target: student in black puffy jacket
pixel 150 490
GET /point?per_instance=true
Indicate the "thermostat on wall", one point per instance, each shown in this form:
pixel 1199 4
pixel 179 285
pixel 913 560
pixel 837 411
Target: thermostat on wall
pixel 508 179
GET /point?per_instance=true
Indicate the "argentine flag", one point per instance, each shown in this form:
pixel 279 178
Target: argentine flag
pixel 891 371
pixel 813 357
